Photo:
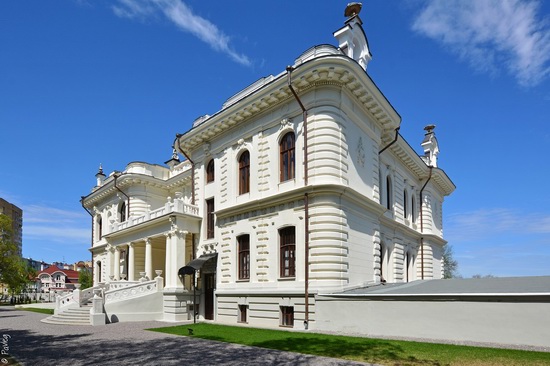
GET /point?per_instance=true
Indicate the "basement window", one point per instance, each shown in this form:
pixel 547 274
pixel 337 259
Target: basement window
pixel 287 316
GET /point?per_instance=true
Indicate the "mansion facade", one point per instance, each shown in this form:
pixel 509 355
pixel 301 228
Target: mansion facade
pixel 300 185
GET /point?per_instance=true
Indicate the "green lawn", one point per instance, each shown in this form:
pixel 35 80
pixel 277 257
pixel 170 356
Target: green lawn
pixel 387 352
pixel 38 310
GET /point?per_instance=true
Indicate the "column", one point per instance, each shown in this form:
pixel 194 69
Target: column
pixel 169 270
pixel 117 264
pixel 131 262
pixel 149 259
pixel 109 271
pixel 178 256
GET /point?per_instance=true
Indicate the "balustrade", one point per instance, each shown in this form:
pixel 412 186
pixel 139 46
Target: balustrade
pixel 178 205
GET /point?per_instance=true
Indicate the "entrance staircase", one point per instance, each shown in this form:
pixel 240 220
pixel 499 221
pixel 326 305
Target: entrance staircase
pixel 71 316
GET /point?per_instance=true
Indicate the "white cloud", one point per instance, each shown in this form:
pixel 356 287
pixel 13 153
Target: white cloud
pixel 490 223
pixel 43 223
pixel 184 18
pixel 490 33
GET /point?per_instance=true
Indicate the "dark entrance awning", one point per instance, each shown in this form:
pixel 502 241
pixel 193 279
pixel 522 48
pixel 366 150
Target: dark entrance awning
pixel 196 264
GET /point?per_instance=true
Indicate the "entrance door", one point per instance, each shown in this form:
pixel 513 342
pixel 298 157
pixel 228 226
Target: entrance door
pixel 209 287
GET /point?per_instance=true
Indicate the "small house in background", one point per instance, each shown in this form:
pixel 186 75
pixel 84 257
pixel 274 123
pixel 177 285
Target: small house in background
pixel 57 280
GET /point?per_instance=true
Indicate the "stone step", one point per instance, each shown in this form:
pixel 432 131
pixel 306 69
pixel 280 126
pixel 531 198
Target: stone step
pixel 74 316
pixel 64 322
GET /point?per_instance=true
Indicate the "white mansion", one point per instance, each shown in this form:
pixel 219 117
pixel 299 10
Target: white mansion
pixel 299 186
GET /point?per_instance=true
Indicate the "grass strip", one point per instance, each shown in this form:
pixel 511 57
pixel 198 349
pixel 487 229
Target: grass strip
pixel 38 310
pixel 381 351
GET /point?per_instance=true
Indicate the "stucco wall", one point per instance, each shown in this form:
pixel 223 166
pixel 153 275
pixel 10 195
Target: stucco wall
pixel 512 323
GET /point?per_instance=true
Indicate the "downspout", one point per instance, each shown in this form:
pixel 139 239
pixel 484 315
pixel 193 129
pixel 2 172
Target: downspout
pixel 306 200
pixel 127 197
pixel 422 225
pixel 193 234
pixel 92 238
pixel 192 170
pixel 391 143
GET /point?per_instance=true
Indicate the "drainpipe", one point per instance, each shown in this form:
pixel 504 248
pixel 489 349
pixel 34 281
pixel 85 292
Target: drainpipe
pixel 193 234
pixel 422 225
pixel 391 143
pixel 192 169
pixel 306 199
pixel 128 208
pixel 92 238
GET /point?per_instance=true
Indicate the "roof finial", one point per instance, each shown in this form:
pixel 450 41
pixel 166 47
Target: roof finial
pixel 100 171
pixel 353 9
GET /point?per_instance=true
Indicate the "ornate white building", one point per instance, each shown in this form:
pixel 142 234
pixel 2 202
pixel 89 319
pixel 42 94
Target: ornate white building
pixel 299 185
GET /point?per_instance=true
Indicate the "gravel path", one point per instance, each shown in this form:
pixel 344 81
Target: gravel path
pixel 34 343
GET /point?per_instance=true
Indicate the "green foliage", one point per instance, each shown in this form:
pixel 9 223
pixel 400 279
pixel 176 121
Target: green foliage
pixel 450 265
pixel 38 310
pixel 85 278
pixel 379 351
pixel 14 272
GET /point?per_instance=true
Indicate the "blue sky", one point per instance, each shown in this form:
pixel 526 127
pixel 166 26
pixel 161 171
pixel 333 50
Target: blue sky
pixel 90 82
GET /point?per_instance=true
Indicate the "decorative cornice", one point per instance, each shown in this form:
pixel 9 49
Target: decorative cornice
pixel 134 179
pixel 335 70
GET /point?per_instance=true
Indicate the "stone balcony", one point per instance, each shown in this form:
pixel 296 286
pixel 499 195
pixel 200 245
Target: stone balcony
pixel 177 206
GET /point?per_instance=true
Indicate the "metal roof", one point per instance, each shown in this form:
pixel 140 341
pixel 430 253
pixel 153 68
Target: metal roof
pixel 473 286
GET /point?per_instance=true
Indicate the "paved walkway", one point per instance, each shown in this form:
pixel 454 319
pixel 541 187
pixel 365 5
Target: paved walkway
pixel 34 343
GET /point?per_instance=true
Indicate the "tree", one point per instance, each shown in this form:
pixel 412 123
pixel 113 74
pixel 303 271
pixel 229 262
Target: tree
pixel 14 272
pixel 85 278
pixel 450 265
pixel 8 249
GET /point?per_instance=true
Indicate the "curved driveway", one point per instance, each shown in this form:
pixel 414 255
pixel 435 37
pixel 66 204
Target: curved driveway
pixel 34 343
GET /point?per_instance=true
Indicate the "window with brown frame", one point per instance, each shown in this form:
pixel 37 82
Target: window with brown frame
pixel 243 313
pixel 405 206
pixel 99 228
pixel 243 242
pixel 287 242
pixel 122 212
pixel 413 209
pixel 210 218
pixel 287 158
pixel 210 171
pixel 389 193
pixel 244 173
pixel 287 316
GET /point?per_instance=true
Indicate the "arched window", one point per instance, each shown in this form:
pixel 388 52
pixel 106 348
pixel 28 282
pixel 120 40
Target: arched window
pixel 405 204
pixel 210 218
pixel 210 171
pixel 99 228
pixel 389 193
pixel 244 173
pixel 407 266
pixel 287 242
pixel 122 212
pixel 243 243
pixel 287 157
pixel 382 259
pixel 413 209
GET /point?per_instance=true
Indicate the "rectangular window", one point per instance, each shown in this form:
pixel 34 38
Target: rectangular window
pixel 287 242
pixel 243 313
pixel 210 218
pixel 244 256
pixel 287 316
